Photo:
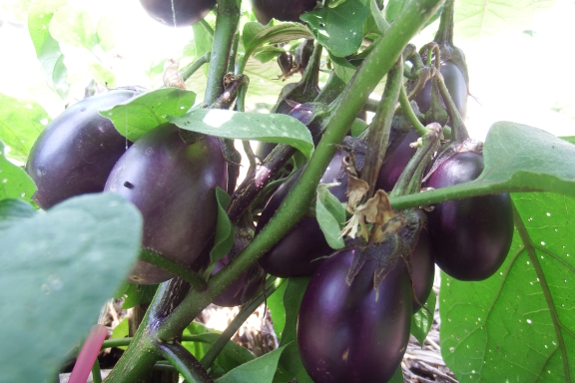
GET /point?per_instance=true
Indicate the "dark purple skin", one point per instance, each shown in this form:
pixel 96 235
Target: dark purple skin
pixel 242 289
pixel 423 270
pixel 77 150
pixel 344 334
pixel 392 168
pixel 470 238
pixel 300 252
pixel 187 12
pixel 456 85
pixel 173 185
pixel 282 10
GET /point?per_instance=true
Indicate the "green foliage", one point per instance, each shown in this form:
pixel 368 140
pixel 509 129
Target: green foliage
pixel 14 181
pixel 330 215
pixel 61 268
pixel 47 48
pixel 255 35
pixel 14 210
pixel 517 325
pixel 422 320
pixel 277 309
pixel 143 113
pixel 340 28
pixel 276 128
pixel 22 121
pixel 224 230
pixel 260 370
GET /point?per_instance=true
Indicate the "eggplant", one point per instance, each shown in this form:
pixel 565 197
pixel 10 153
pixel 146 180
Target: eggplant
pixel 77 150
pixel 351 333
pixel 178 13
pixel 265 10
pixel 173 184
pixel 470 238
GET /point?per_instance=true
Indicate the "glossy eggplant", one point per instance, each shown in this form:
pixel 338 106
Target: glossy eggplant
pixel 345 334
pixel 392 168
pixel 299 253
pixel 456 85
pixel 470 238
pixel 77 150
pixel 173 184
pixel 265 10
pixel 423 270
pixel 178 13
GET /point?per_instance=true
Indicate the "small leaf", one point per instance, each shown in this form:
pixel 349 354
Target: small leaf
pixel 224 230
pixel 276 128
pixel 138 294
pixel 143 113
pixel 47 48
pixel 14 210
pixel 377 16
pixel 339 29
pixel 518 325
pixel 255 34
pixel 22 121
pixel 397 376
pixel 422 320
pixel 342 68
pixel 260 370
pixel 61 268
pixel 330 215
pixel 290 362
pixel 277 309
pixel 121 331
pixel 14 181
pixel 292 301
pixel 232 354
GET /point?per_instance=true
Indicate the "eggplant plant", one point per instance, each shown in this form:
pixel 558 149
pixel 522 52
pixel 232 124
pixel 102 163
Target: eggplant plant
pixel 136 193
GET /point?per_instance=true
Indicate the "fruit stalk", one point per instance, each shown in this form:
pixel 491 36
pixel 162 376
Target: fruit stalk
pixel 227 20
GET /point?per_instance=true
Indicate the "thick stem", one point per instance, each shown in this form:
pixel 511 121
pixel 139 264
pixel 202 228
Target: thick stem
pixel 444 35
pixel 227 19
pixel 379 129
pixel 184 362
pixel 459 132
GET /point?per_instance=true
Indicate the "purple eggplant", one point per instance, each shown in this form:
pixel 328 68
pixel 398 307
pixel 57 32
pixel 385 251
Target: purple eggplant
pixel 344 333
pixel 173 184
pixel 470 238
pixel 77 150
pixel 300 251
pixel 178 13
pixel 265 10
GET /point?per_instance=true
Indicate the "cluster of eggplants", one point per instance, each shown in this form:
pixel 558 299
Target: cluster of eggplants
pixel 171 181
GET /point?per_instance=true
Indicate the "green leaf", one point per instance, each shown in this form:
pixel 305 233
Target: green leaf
pixel 47 48
pixel 102 75
pixel 392 9
pixel 121 331
pixel 203 38
pixel 61 268
pixel 255 34
pixel 377 16
pixel 292 301
pixel 14 181
pixel 357 127
pixel 14 210
pixel 397 376
pixel 290 363
pixel 224 230
pixel 277 310
pixel 143 113
pixel 107 32
pixel 21 122
pixel 138 294
pixel 518 325
pixel 276 128
pixel 477 18
pixel 569 139
pixel 330 215
pixel 73 26
pixel 422 320
pixel 339 29
pixel 197 349
pixel 342 68
pixel 260 370
pixel 232 355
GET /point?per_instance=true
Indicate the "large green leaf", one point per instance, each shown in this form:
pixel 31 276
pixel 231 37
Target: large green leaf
pixel 260 370
pixel 518 158
pixel 474 18
pixel 60 269
pixel 224 238
pixel 14 181
pixel 340 29
pixel 47 48
pixel 276 128
pixel 141 114
pixel 13 210
pixel 21 122
pixel 518 325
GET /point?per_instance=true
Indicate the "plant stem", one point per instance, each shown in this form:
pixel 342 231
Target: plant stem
pixel 379 129
pixel 184 362
pixel 193 67
pixel 444 35
pixel 236 323
pixel 408 111
pixel 180 270
pixel 458 131
pixel 227 20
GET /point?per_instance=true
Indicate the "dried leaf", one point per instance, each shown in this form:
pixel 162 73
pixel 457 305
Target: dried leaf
pixel 172 77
